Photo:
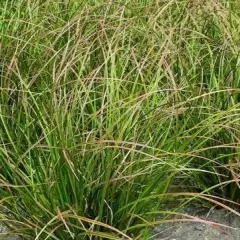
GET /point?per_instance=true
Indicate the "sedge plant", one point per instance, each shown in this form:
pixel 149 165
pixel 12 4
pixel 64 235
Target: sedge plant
pixel 103 105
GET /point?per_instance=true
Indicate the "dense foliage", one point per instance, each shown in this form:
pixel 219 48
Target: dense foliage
pixel 107 109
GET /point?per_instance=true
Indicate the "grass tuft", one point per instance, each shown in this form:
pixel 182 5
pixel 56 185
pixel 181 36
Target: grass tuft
pixel 107 109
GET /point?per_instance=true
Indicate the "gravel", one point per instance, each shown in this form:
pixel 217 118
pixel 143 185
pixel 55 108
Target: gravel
pixel 199 230
pixel 3 236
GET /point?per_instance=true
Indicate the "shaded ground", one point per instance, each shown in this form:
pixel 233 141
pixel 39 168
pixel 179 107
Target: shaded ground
pixel 201 231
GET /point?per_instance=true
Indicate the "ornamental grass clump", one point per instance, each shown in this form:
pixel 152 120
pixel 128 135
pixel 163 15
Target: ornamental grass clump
pixel 104 105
